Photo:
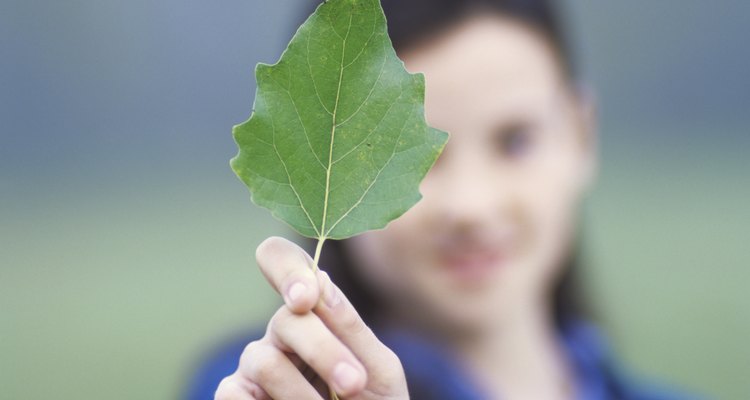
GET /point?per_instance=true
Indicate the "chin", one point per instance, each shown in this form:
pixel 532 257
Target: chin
pixel 467 311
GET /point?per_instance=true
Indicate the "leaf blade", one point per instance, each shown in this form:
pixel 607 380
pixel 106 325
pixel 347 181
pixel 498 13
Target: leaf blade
pixel 347 127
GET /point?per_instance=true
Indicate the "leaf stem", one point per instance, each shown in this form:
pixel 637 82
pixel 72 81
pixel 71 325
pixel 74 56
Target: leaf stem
pixel 318 250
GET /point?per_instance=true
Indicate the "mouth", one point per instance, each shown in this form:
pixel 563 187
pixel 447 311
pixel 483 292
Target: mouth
pixel 472 266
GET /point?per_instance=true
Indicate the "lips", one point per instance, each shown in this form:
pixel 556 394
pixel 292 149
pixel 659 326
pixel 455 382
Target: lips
pixel 472 265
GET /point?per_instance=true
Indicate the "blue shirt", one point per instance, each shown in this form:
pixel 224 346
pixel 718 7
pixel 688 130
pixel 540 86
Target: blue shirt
pixel 433 374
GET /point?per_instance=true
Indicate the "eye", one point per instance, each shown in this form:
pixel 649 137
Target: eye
pixel 514 140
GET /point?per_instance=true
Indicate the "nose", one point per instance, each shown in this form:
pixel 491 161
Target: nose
pixel 471 191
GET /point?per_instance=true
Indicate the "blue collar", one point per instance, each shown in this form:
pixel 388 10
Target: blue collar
pixel 434 373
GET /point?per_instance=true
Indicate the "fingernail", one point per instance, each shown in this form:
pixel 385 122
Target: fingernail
pixel 296 291
pixel 345 377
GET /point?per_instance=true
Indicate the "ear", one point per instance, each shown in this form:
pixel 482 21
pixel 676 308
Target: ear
pixel 585 101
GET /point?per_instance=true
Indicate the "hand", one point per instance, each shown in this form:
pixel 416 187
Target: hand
pixel 316 338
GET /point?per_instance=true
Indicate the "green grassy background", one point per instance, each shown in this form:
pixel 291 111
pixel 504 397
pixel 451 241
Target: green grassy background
pixel 126 244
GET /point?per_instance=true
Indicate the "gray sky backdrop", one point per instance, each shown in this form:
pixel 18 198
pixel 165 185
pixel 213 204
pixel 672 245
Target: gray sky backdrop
pixel 126 242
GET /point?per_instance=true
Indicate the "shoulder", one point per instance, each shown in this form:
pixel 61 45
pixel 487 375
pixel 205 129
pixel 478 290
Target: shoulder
pixel 217 363
pixel 601 375
pixel 432 372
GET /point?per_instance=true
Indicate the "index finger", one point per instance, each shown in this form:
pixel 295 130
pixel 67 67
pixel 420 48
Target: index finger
pixel 288 269
pixel 343 320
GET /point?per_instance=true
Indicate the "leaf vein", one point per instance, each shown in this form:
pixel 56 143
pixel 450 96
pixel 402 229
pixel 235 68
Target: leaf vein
pixel 369 187
pixel 312 78
pixel 372 131
pixel 289 177
pixel 304 129
pixel 372 89
pixel 362 50
pixel 333 127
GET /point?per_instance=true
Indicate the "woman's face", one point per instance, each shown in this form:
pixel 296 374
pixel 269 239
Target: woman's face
pixel 499 206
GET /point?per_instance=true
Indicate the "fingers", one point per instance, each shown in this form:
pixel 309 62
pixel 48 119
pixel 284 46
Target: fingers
pixel 343 320
pixel 265 365
pixel 288 269
pixel 332 339
pixel 236 388
pixel 307 336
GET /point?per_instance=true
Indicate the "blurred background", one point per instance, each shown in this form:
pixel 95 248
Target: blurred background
pixel 126 243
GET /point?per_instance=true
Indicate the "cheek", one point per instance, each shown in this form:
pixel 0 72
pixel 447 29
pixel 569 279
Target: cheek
pixel 550 198
pixel 374 258
pixel 386 258
pixel 399 262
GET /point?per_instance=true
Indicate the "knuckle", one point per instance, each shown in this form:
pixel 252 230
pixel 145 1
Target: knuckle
pixel 352 323
pixel 281 319
pixel 389 367
pixel 263 364
pixel 250 347
pixel 393 362
pixel 249 350
pixel 389 356
pixel 228 389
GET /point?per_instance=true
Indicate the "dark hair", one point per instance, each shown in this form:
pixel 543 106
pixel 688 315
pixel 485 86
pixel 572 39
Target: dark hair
pixel 409 22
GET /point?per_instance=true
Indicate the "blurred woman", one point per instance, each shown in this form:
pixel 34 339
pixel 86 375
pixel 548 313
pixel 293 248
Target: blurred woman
pixel 471 294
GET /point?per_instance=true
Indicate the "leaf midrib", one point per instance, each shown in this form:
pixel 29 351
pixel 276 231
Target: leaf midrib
pixel 323 233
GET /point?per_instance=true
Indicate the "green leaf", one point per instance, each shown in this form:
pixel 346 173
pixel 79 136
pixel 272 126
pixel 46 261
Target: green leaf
pixel 337 143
